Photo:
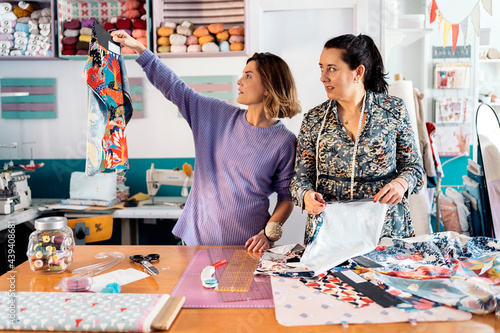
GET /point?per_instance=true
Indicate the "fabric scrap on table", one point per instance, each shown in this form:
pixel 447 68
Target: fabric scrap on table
pixel 333 286
pixel 298 305
pixel 469 296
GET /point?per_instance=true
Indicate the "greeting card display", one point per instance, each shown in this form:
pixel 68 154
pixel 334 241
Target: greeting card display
pixel 453 110
pixel 451 75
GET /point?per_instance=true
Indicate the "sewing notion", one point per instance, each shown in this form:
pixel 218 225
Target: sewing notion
pixel 258 295
pixel 82 281
pixel 146 262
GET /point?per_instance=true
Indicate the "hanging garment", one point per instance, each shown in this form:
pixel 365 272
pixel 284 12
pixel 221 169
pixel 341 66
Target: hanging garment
pixel 423 136
pixel 449 214
pixel 462 210
pixel 110 107
pixel 476 190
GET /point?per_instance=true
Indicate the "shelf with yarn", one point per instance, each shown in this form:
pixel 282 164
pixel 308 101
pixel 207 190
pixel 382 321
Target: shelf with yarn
pixel 199 28
pixel 75 19
pixel 27 30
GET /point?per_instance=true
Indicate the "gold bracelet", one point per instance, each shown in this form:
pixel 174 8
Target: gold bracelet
pixel 399 182
pixel 273 231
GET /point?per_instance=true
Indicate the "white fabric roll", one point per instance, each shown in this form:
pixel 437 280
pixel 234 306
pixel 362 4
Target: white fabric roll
pixel 418 202
pixel 404 90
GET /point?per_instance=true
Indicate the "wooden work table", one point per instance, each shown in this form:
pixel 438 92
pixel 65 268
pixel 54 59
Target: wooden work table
pixel 173 261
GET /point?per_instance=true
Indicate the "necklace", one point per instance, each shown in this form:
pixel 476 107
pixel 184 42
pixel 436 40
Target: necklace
pixel 347 121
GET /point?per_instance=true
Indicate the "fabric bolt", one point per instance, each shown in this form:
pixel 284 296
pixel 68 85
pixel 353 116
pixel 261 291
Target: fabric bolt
pixel 386 150
pixel 103 312
pixel 237 165
pixel 110 109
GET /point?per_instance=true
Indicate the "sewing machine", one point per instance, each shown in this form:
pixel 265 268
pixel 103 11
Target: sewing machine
pixel 15 193
pixel 175 177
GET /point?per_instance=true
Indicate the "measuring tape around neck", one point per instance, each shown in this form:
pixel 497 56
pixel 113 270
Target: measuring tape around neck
pixel 353 163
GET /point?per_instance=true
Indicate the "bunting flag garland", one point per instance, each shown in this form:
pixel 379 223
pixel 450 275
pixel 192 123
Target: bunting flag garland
pixel 464 26
pixel 455 14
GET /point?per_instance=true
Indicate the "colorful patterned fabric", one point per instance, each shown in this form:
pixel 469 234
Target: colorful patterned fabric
pixel 333 286
pixel 110 109
pixel 440 251
pixel 54 311
pixel 298 305
pixel 386 150
pixel 469 296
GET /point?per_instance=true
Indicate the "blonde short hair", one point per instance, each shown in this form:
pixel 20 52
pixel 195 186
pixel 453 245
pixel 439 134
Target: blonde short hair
pixel 281 100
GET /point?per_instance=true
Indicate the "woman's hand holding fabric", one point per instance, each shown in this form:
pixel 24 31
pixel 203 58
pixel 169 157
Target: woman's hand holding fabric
pixel 125 39
pixel 257 243
pixel 392 193
pixel 314 202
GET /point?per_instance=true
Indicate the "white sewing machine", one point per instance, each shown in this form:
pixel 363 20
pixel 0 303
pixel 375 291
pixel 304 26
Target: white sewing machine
pixel 175 177
pixel 15 193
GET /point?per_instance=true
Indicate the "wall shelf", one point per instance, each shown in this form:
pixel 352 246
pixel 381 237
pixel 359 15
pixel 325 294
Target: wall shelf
pixel 405 37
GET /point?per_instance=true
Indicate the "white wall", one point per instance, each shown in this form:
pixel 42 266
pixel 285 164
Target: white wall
pixel 161 133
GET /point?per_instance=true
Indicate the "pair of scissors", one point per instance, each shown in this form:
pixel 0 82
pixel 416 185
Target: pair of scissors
pixel 146 262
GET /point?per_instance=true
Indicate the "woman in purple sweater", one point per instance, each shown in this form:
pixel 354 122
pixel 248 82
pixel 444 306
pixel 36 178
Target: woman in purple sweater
pixel 242 156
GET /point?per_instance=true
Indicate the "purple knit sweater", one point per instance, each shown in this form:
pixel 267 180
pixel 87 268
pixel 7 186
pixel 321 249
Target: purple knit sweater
pixel 237 165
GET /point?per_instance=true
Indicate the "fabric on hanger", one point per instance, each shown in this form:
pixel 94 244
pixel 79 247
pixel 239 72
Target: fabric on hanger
pixel 423 136
pixel 462 210
pixel 110 109
pixel 449 214
pixel 477 191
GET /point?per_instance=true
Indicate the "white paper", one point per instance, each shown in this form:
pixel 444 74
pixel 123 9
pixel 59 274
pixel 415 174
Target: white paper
pixel 120 276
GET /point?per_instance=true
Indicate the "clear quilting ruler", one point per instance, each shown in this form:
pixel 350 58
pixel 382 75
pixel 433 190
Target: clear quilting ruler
pixel 236 280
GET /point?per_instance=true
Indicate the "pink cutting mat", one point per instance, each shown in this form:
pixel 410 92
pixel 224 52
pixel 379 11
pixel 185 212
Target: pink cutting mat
pixel 197 296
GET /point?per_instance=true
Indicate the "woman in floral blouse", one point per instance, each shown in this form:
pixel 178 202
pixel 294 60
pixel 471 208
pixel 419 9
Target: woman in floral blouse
pixel 358 117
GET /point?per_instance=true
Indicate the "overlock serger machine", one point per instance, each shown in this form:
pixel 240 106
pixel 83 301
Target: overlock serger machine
pixel 15 193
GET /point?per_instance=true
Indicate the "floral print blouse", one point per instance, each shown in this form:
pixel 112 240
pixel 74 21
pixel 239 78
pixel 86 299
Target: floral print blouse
pixel 386 150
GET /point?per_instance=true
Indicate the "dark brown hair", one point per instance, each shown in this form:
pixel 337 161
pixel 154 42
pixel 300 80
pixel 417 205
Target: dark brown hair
pixel 361 50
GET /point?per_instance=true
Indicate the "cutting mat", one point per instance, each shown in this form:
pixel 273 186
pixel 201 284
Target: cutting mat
pixel 189 285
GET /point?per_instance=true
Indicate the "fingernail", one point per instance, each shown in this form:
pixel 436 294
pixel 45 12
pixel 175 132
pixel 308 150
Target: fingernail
pixel 374 200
